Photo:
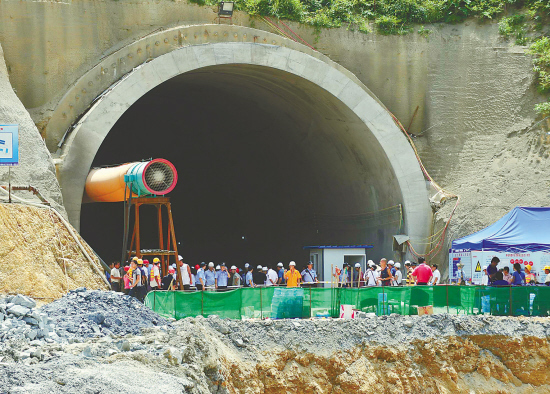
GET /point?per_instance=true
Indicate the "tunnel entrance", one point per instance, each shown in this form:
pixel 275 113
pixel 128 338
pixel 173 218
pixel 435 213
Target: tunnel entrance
pixel 268 162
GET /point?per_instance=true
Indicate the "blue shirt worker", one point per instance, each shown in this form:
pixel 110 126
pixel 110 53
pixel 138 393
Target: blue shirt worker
pixel 391 264
pixel 200 279
pixel 222 276
pixel 309 276
pixel 249 279
pixel 281 274
pixel 210 275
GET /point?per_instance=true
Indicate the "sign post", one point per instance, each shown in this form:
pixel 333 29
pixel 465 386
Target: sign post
pixel 9 150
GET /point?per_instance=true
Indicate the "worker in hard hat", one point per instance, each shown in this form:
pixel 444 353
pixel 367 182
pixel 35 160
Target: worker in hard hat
pixel 210 275
pixel 222 278
pixel 398 277
pixel 370 275
pixel 357 276
pixel 391 266
pixel 408 273
pixel 155 280
pixel 547 272
pixel 292 276
pixel 530 277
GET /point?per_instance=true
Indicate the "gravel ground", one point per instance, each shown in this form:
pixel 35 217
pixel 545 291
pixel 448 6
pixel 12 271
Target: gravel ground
pixel 146 353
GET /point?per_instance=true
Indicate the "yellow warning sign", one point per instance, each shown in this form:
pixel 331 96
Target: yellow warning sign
pixel 478 267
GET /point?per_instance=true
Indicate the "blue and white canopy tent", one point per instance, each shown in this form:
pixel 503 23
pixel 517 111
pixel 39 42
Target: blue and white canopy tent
pixel 521 236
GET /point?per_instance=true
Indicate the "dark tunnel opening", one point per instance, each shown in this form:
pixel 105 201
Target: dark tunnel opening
pixel 267 164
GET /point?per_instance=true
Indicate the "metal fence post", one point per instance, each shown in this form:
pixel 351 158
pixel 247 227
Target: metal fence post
pixel 261 305
pixel 510 312
pixel 175 305
pixel 310 310
pixel 447 291
pixel 383 301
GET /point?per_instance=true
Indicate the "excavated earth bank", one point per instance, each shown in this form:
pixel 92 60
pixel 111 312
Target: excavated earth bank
pixel 393 354
pixel 40 258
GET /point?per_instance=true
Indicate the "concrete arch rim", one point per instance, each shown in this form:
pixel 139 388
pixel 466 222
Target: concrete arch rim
pixel 80 149
pixel 81 95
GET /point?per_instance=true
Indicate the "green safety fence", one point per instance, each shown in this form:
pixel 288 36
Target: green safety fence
pixel 282 302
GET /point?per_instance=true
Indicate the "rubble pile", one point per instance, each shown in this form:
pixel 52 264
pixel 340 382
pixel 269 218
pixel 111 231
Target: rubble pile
pixel 80 314
pixel 21 319
pixel 96 313
pixel 96 341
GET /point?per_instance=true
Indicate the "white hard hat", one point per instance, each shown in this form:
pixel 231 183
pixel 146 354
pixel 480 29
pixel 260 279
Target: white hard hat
pixel 233 267
pixel 259 267
pixel 370 262
pixel 264 269
pixel 391 262
pixel 397 265
pixel 292 263
pixel 357 265
pixel 210 264
pixel 180 258
pixel 280 265
pixel 218 267
pixel 407 262
pixel 246 265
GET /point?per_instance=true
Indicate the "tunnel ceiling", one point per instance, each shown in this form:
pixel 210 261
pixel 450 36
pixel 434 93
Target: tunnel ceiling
pixel 261 154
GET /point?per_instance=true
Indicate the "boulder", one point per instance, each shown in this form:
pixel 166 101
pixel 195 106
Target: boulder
pixel 32 334
pixel 22 300
pixel 19 310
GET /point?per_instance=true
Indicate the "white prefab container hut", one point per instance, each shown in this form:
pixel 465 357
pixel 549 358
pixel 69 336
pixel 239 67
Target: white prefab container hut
pixel 327 257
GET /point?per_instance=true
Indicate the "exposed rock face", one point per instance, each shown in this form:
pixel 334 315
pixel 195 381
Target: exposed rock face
pixel 36 167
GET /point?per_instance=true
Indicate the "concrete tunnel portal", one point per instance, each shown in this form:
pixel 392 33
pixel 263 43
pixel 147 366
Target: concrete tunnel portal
pixel 268 162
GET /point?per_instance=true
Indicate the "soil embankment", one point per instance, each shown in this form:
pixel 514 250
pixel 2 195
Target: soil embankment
pixel 40 258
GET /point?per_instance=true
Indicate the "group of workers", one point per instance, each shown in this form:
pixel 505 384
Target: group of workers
pixel 521 275
pixel 139 276
pixel 388 273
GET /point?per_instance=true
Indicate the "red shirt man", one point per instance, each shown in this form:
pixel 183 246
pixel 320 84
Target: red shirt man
pixel 422 273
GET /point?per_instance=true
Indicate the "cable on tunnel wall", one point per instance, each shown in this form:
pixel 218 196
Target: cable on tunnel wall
pixel 445 195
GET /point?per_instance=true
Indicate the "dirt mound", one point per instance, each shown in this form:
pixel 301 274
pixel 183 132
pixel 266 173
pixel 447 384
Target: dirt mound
pixel 39 257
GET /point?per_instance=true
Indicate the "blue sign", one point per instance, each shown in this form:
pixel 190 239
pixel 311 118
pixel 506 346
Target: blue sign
pixel 9 145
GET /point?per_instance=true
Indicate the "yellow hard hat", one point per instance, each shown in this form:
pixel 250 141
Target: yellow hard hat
pixel 140 261
pixel 156 260
pixel 527 268
pixel 135 258
pixel 547 267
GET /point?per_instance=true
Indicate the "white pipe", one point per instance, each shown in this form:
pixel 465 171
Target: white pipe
pixel 67 226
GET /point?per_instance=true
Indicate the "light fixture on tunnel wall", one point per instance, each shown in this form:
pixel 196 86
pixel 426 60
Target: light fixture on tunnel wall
pixel 225 11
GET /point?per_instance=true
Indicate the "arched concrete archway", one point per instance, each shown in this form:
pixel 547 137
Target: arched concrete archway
pixel 394 173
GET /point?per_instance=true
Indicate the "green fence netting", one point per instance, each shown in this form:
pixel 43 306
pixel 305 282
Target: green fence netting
pixel 282 302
